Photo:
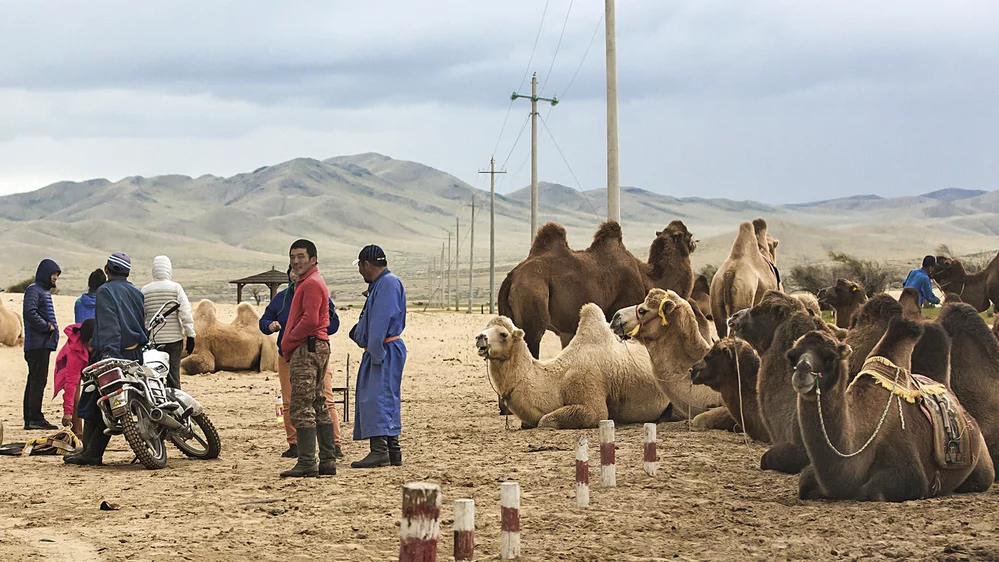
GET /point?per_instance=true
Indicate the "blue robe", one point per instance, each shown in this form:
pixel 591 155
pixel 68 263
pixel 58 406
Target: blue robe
pixel 377 398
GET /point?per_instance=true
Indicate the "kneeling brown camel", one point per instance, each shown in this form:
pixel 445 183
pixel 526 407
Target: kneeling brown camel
pixel 977 289
pixel 857 447
pixel 772 327
pixel 547 290
pixel 729 363
pixel 845 298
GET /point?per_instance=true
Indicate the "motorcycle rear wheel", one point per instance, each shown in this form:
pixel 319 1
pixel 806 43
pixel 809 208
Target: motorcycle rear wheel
pixel 206 446
pixel 150 452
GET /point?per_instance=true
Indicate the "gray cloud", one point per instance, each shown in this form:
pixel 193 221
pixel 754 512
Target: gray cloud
pixel 779 101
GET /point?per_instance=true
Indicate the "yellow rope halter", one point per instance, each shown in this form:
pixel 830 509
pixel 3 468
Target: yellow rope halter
pixel 662 315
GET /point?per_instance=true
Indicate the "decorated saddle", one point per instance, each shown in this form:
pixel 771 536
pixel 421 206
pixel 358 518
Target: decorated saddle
pixel 951 424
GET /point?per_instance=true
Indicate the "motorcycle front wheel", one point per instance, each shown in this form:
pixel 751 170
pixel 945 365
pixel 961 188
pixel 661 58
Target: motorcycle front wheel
pixel 144 436
pixel 203 441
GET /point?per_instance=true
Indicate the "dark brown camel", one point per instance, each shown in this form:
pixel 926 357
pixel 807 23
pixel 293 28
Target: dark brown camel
pixel 897 464
pixel 974 368
pixel 772 327
pixel 730 361
pixel 979 289
pixel 845 297
pixel 931 357
pixel 547 290
pixel 995 327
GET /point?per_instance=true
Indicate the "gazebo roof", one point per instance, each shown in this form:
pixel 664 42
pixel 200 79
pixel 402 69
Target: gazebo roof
pixel 265 278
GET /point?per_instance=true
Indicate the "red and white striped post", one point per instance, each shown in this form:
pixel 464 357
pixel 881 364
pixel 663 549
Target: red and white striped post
pixel 608 472
pixel 420 526
pixel 510 520
pixel 583 472
pixel 464 530
pixel 650 458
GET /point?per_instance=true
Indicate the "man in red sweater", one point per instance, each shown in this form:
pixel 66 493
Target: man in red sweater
pixel 306 347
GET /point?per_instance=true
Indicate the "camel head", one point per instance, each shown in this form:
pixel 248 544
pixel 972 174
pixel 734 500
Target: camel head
pixel 757 325
pixel 948 271
pixel 718 367
pixel 652 318
pixel 819 361
pixel 676 235
pixel 843 293
pixel 497 341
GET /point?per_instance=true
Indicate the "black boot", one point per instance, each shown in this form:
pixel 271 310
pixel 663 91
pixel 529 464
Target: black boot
pixel 378 455
pixel 306 465
pixel 394 450
pixel 327 450
pixel 291 452
pixel 94 447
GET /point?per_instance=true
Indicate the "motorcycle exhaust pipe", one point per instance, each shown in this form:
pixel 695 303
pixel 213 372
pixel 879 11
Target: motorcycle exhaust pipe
pixel 158 416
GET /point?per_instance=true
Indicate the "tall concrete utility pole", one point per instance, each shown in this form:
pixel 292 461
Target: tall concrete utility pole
pixel 471 256
pixel 492 233
pixel 613 176
pixel 534 147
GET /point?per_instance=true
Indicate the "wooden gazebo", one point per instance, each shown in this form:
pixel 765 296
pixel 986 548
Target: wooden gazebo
pixel 273 279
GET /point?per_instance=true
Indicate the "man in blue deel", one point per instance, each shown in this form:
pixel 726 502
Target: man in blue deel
pixel 379 331
pixel 919 279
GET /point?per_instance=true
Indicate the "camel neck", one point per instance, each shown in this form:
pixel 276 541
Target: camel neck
pixel 844 314
pixel 844 431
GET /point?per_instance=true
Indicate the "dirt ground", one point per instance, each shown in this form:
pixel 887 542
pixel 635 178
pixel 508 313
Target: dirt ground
pixel 709 502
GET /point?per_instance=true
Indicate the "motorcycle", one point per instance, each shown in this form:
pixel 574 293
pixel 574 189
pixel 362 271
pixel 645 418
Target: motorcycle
pixel 135 401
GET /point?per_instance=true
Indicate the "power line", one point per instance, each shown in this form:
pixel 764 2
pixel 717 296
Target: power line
pixel 566 162
pixel 522 129
pixel 544 84
pixel 585 53
pixel 524 78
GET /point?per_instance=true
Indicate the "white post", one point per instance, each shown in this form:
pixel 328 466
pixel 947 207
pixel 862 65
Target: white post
pixel 583 472
pixel 510 520
pixel 464 530
pixel 650 459
pixel 608 472
pixel 420 526
pixel 613 177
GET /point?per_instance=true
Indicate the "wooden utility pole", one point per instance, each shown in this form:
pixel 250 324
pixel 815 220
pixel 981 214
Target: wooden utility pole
pixel 492 232
pixel 613 176
pixel 534 147
pixel 471 256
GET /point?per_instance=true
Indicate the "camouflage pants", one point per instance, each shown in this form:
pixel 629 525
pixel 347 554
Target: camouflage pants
pixel 308 404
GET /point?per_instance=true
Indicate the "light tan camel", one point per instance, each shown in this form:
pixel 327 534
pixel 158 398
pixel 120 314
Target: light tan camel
pixel 845 297
pixel 748 273
pixel 238 346
pixel 547 290
pixel 11 330
pixel 595 377
pixel 666 325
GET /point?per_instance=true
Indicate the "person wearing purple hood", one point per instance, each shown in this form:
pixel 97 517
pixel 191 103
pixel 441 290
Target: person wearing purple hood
pixel 41 337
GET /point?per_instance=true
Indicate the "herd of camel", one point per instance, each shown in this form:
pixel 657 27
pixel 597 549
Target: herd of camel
pixel 882 405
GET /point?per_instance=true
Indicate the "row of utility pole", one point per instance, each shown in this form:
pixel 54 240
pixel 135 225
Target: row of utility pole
pixel 446 293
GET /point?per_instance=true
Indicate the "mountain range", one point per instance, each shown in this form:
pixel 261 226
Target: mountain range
pixel 216 228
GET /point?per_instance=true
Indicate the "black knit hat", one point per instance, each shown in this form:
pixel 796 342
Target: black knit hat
pixel 371 254
pixel 929 261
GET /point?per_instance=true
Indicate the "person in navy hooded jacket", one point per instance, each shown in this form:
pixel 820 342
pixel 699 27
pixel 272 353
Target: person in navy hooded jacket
pixel 86 305
pixel 41 337
pixel 274 319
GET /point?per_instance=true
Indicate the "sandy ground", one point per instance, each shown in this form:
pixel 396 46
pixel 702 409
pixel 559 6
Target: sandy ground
pixel 709 502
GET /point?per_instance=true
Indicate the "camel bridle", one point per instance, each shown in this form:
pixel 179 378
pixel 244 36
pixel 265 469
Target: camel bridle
pixel 643 322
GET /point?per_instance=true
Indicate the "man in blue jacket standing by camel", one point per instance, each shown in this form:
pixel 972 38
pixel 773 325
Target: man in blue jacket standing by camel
pixel 377 416
pixel 41 337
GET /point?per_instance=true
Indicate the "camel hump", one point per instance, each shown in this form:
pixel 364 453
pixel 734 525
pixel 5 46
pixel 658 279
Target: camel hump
pixel 592 323
pixel 551 237
pixel 205 311
pixel 608 232
pixel 245 315
pixel 759 225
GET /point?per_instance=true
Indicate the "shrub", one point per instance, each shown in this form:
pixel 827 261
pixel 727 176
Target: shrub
pixel 875 277
pixel 20 286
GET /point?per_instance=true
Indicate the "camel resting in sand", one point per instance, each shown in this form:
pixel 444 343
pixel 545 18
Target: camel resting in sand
pixel 853 431
pixel 666 325
pixel 595 377
pixel 547 289
pixel 11 330
pixel 732 361
pixel 977 289
pixel 748 273
pixel 238 346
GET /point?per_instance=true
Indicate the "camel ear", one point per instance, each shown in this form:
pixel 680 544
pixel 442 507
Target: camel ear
pixel 776 242
pixel 658 232
pixel 845 351
pixel 855 289
pixel 518 334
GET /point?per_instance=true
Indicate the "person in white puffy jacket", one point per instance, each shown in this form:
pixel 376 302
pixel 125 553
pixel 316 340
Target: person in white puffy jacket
pixel 179 325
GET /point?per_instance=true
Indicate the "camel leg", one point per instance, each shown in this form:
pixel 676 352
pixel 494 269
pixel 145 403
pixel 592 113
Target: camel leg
pixel 198 363
pixel 715 418
pixel 566 338
pixel 504 408
pixel 784 457
pixel 808 485
pixel 573 416
pixel 533 339
pixel 981 477
pixel 895 485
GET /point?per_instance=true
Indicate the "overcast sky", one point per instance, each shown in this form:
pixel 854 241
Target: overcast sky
pixel 778 101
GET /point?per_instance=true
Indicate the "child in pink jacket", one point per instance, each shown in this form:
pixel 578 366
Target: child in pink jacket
pixel 73 358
